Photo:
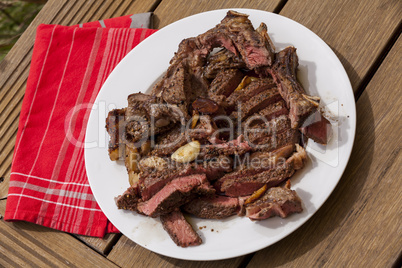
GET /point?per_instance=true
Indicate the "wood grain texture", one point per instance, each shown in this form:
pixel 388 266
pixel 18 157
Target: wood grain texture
pixel 25 245
pixel 4 182
pixel 169 11
pixel 14 70
pixel 359 225
pixel 128 254
pixel 357 31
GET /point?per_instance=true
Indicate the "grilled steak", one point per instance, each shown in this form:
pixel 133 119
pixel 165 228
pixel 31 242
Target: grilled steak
pixel 245 182
pixel 129 199
pixel 254 88
pixel 271 128
pixel 168 142
pixel 277 201
pixel 274 110
pixel 272 142
pixel 256 103
pixel 317 128
pixel 153 181
pixel 248 184
pixel 234 85
pixel 284 73
pixel 223 59
pixel 225 82
pixel 178 228
pixel 253 46
pixel 234 147
pixel 174 194
pixel 216 207
pixel 115 129
pixel 204 129
pixel 148 116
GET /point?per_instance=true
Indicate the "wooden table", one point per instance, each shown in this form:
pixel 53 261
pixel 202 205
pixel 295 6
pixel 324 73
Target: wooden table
pixel 358 226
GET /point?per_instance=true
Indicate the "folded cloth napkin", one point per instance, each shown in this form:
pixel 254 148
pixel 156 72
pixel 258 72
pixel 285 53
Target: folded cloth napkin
pixel 48 182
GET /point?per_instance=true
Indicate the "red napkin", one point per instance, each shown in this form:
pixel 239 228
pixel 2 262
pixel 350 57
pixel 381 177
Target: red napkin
pixel 48 182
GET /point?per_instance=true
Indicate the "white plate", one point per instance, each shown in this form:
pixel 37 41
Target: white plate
pixel 320 72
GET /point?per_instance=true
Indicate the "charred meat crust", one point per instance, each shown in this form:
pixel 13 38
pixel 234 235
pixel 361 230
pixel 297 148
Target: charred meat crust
pixel 284 73
pixel 115 129
pixel 176 193
pixel 277 201
pixel 246 181
pixel 179 229
pixel 216 207
pixel 257 92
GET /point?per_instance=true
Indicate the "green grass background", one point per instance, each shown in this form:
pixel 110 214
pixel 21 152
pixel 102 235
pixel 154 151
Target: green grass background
pixel 15 17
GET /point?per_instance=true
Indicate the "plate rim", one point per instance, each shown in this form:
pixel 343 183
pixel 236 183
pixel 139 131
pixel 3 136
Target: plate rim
pixel 250 12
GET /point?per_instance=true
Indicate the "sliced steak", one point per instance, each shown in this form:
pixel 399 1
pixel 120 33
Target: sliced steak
pixel 252 45
pixel 204 129
pixel 215 167
pixel 216 207
pixel 268 159
pixel 129 199
pixel 223 59
pixel 254 88
pixel 317 128
pixel 153 181
pixel 168 142
pixel 115 128
pixel 225 82
pixel 178 89
pixel 256 103
pixel 274 110
pixel 284 73
pixel 268 113
pixel 179 229
pixel 247 185
pixel 277 201
pixel 139 103
pixel 272 142
pixel 148 116
pixel 245 182
pixel 234 147
pixel 270 128
pixel 175 194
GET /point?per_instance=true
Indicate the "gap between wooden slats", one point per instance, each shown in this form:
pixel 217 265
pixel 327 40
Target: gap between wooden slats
pixel 361 228
pixel 378 61
pixel 357 31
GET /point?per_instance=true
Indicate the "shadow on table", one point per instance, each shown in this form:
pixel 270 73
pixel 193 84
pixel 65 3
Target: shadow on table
pixel 339 206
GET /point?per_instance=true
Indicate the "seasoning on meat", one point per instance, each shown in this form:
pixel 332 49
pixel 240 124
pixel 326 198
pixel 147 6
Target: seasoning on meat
pixel 220 132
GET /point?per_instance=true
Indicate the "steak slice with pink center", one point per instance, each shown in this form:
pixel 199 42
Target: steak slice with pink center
pixel 277 201
pixel 178 228
pixel 176 193
pixel 216 207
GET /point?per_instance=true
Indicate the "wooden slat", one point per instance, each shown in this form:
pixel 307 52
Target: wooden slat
pixel 359 226
pixel 101 245
pixel 15 68
pixel 169 11
pixel 357 31
pixel 4 188
pixel 128 254
pixel 25 245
